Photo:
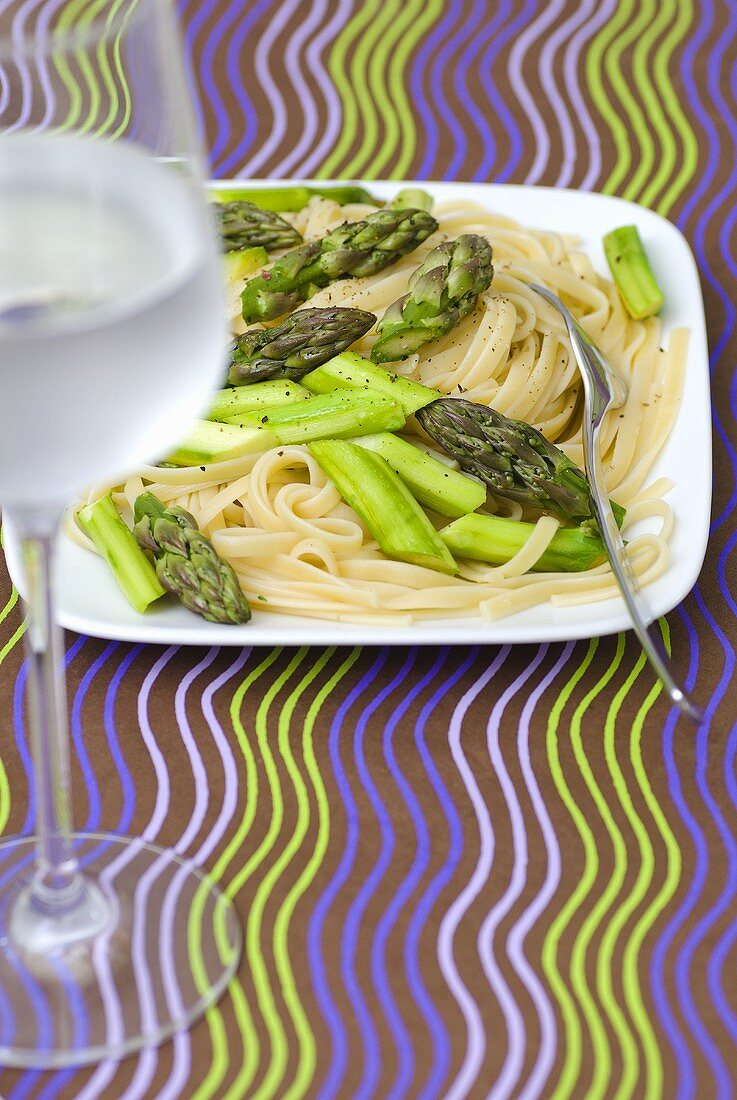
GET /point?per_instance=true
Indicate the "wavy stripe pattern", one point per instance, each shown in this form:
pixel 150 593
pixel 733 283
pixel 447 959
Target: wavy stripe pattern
pixel 493 872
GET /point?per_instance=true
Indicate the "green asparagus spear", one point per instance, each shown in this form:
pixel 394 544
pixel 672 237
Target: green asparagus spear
pixel 434 484
pixel 353 249
pixel 497 540
pixel 187 564
pixel 129 565
pixel 305 340
pixel 514 459
pixel 351 371
pixel 244 225
pixel 260 395
pixel 442 291
pixel 242 262
pixel 384 503
pixel 285 199
pixel 414 198
pixel 632 273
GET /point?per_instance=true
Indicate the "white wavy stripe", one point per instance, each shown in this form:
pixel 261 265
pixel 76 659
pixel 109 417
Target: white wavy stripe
pixel 517 935
pixel 473 1057
pixel 514 68
pixel 516 1032
pixel 604 12
pixel 550 86
pixel 104 1073
pixel 303 95
pixel 333 102
pixel 285 11
pixel 180 1071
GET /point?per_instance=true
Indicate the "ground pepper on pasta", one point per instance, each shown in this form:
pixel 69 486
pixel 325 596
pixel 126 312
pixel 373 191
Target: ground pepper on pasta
pixel 298 548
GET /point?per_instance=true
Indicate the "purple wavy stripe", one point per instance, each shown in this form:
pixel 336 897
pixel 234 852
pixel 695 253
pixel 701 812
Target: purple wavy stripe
pixel 604 11
pixel 549 82
pixel 429 127
pixel 496 99
pixel 204 10
pixel 440 1040
pixel 467 1075
pixel 541 137
pixel 519 931
pixel 478 114
pixel 284 12
pixel 36 998
pixel 372 1054
pixel 24 95
pixel 234 59
pixel 302 91
pixel 180 1070
pixel 401 1036
pixel 333 103
pixel 455 133
pixel 685 956
pixel 326 1001
pixel 516 1034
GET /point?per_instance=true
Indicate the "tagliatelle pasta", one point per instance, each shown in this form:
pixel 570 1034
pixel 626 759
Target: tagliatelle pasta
pixel 298 548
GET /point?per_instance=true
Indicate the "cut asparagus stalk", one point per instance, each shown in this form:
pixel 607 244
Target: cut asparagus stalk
pixel 497 540
pixel 241 263
pixel 207 442
pixel 281 199
pixel 350 371
pixel 632 273
pixel 384 503
pixel 414 198
pixel 331 415
pixel 132 570
pixel 259 395
pixel 434 484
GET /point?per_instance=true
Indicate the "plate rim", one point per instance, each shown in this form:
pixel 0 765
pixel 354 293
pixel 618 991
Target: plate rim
pixel 282 629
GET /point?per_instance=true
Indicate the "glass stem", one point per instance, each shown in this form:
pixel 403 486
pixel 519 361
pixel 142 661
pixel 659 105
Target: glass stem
pixel 57 884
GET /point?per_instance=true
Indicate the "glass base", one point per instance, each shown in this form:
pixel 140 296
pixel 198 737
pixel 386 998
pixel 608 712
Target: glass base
pixel 146 949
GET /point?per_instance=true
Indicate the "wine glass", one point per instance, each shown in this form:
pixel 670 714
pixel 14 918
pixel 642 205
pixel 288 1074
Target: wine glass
pixel 111 338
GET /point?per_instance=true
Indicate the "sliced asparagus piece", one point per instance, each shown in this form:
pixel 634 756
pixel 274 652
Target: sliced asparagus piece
pixel 514 459
pixel 208 441
pixel 304 341
pixel 259 395
pixel 497 540
pixel 332 415
pixel 353 249
pixel 242 225
pixel 442 291
pixel 187 564
pixel 132 570
pixel 294 198
pixel 242 262
pixel 434 484
pixel 632 273
pixel 414 198
pixel 350 371
pixel 384 503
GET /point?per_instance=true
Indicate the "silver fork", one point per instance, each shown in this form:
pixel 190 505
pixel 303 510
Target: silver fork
pixel 603 390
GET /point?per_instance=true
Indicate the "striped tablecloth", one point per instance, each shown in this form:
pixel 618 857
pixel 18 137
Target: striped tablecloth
pixel 501 871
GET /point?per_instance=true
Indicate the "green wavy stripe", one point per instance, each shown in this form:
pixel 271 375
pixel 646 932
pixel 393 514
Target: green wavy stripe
pixel 569 1073
pixel 337 68
pixel 597 1035
pixel 373 43
pixel 12 641
pixel 388 31
pixel 278 1046
pixel 76 14
pixel 670 99
pixel 272 1081
pixel 307 1051
pixel 651 165
pixel 598 50
pixel 639 1012
pixel 645 152
pixel 220 1062
pixel 399 121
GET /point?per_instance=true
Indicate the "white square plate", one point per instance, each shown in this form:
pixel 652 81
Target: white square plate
pixel 90 603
